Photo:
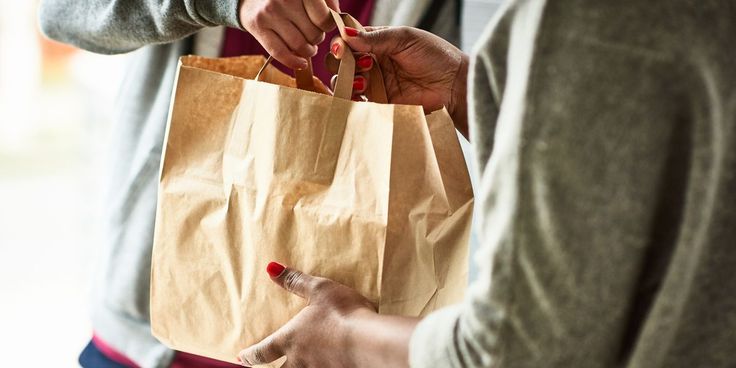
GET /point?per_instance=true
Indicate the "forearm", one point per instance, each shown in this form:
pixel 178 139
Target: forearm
pixel 115 26
pixel 379 340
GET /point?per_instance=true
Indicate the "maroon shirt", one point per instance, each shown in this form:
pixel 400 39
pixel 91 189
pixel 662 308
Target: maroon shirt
pixel 239 43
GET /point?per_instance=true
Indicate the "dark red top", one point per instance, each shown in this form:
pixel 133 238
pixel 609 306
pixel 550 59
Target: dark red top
pixel 239 43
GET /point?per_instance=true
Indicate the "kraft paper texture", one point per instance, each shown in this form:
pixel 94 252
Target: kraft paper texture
pixel 374 196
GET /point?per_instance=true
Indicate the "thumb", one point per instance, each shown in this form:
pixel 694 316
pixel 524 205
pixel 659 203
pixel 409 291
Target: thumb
pixel 292 280
pixel 380 41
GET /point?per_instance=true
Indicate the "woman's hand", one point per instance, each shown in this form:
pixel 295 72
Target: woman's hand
pixel 288 30
pixel 338 328
pixel 418 68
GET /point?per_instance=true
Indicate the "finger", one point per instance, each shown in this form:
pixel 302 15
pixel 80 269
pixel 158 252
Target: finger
pixel 361 81
pixel 294 281
pixel 276 47
pixel 318 12
pixel 380 40
pixel 334 5
pixel 311 32
pixel 293 38
pixel 375 28
pixel 360 84
pixel 363 62
pixel 264 352
pixel 337 47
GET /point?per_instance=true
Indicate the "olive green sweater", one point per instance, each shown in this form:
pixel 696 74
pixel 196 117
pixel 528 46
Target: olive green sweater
pixel 605 132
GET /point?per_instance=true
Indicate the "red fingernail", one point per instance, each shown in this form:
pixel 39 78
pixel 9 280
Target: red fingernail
pixel 351 32
pixel 365 62
pixel 275 269
pixel 359 84
pixel 335 49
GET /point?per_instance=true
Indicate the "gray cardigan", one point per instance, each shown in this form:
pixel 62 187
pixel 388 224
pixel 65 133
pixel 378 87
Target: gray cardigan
pixel 605 132
pixel 160 30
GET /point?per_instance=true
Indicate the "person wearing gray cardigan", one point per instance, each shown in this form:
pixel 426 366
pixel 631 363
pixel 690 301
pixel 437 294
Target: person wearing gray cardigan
pixel 160 32
pixel 605 135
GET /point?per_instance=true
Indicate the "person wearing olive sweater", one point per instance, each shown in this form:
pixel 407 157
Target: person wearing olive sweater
pixel 605 136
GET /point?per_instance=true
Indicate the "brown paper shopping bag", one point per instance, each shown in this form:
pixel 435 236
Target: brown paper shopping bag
pixel 373 195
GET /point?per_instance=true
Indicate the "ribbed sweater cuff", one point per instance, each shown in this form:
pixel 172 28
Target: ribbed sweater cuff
pixel 432 342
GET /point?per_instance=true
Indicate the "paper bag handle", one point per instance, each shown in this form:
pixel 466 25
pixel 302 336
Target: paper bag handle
pixel 346 71
pixel 303 76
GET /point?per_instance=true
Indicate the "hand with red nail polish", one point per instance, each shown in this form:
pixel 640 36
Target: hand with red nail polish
pixel 338 328
pixel 351 32
pixel 418 67
pixel 275 269
pixel 359 84
pixel 364 63
pixel 335 49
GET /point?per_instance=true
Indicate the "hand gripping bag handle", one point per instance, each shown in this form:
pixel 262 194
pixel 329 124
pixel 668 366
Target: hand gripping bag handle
pixel 346 71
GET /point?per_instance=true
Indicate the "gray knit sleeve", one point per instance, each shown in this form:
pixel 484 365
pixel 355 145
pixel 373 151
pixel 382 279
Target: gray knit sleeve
pixel 115 26
pixel 589 149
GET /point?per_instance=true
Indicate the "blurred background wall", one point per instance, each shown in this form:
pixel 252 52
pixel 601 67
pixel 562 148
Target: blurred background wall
pixel 476 15
pixel 56 105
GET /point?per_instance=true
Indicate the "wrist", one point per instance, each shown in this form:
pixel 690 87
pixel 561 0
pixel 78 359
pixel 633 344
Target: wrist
pixel 356 325
pixel 375 340
pixel 458 108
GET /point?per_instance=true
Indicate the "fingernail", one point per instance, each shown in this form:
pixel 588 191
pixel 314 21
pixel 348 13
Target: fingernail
pixel 365 62
pixel 275 269
pixel 359 84
pixel 303 64
pixel 351 32
pixel 335 49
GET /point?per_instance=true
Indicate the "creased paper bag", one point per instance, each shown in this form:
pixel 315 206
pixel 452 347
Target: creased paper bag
pixel 375 196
